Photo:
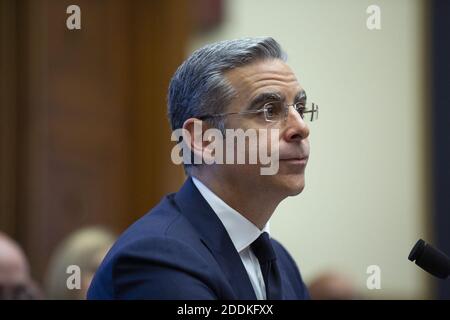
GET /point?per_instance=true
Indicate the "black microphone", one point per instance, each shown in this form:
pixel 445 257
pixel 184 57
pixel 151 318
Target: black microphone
pixel 430 259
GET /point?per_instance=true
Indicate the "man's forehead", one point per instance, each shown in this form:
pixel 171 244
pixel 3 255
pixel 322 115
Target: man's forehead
pixel 273 68
pixel 261 76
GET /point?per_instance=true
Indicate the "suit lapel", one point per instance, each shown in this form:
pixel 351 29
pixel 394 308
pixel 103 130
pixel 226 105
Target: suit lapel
pixel 215 237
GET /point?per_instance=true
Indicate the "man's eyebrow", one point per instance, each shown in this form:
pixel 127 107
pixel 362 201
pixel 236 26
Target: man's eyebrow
pixel 263 97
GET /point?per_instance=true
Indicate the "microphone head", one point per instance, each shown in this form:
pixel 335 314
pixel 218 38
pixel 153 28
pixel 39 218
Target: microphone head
pixel 430 259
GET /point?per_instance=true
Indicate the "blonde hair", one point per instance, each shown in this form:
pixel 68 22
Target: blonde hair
pixel 84 248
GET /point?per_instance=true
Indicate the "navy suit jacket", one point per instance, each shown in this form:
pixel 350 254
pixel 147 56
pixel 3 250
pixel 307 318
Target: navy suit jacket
pixel 181 250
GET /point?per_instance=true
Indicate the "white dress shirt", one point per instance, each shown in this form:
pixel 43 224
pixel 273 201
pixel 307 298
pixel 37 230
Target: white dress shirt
pixel 242 233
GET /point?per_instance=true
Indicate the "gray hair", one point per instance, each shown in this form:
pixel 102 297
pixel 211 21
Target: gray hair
pixel 199 85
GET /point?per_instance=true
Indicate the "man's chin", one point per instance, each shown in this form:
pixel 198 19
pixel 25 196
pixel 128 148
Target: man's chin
pixel 293 185
pixel 296 191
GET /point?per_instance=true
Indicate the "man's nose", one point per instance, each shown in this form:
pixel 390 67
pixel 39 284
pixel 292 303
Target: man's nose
pixel 296 127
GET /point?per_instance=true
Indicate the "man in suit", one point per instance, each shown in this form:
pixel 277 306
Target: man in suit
pixel 211 239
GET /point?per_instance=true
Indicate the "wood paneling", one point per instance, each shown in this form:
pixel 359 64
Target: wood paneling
pixel 93 141
pixel 8 116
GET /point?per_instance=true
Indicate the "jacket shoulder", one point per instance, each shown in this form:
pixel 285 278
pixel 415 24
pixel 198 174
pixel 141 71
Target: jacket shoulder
pixel 153 258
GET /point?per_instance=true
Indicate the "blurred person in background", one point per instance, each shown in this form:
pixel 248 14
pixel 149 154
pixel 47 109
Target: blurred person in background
pixel 15 280
pixel 85 248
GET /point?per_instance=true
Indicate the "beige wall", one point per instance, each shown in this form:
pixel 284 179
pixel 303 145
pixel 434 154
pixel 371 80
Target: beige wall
pixel 365 201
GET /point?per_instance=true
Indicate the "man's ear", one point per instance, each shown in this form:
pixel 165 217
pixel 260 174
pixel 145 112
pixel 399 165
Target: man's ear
pixel 193 130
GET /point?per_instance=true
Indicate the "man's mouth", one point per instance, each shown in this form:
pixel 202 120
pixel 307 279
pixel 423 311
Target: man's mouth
pixel 295 160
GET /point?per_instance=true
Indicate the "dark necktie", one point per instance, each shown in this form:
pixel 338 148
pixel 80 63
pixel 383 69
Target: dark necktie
pixel 263 250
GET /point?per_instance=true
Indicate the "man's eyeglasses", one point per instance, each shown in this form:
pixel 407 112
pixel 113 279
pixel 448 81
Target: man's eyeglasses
pixel 276 111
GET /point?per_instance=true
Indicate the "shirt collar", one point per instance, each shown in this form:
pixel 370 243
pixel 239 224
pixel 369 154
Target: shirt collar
pixel 241 231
